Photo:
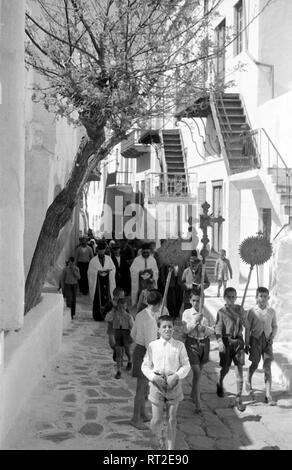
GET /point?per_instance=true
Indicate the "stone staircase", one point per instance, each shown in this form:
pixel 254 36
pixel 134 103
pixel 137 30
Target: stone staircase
pixel 173 152
pixel 231 117
pixel 279 180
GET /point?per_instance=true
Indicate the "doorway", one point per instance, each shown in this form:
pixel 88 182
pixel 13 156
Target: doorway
pixel 217 211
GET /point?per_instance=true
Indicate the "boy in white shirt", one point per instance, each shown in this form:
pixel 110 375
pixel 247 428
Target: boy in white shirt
pixel 165 364
pixel 143 332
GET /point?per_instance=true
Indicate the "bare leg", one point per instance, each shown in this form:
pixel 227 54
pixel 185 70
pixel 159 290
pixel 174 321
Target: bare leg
pixel 111 341
pixel 128 352
pixel 219 287
pixel 195 393
pixel 156 424
pixel 171 429
pixel 268 377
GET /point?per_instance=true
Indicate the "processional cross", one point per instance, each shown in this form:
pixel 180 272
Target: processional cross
pixel 206 220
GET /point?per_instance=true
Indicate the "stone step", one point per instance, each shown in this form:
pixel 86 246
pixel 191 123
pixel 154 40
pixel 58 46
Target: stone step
pixel 288 210
pixel 170 131
pixel 175 170
pixel 227 96
pixel 230 111
pixel 234 121
pixel 281 180
pixel 230 102
pixel 286 198
pixel 281 188
pixel 171 150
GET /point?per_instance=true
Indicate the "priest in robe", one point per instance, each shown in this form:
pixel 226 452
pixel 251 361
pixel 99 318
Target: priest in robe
pixel 144 267
pixel 101 280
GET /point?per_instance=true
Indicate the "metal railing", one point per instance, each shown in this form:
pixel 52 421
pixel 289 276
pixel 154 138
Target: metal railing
pixel 170 185
pixel 266 155
pixel 120 178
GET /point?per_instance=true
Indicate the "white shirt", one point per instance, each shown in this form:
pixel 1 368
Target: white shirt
pixel 145 327
pixel 192 328
pixel 167 358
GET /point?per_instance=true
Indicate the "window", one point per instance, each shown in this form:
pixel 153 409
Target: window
pixel 266 223
pixel 220 39
pixel 202 194
pixel 217 208
pixel 238 24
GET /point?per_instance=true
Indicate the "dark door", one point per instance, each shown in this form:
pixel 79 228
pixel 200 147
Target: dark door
pixel 217 211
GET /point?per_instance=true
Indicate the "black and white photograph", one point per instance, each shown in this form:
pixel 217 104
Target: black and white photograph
pixel 145 228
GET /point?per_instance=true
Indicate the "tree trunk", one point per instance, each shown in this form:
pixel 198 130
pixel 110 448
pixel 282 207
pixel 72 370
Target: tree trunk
pixel 58 214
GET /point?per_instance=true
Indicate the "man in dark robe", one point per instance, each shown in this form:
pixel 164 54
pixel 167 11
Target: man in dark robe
pixel 101 280
pixel 123 277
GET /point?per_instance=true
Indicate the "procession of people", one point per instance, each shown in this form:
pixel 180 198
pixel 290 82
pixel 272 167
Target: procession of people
pixel 142 297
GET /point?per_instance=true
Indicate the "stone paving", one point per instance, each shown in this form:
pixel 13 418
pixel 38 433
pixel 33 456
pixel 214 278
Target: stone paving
pixel 79 405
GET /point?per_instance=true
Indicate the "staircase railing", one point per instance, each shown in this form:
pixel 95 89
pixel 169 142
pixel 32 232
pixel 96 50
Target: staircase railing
pixel 163 159
pixel 184 160
pixel 218 127
pixel 268 156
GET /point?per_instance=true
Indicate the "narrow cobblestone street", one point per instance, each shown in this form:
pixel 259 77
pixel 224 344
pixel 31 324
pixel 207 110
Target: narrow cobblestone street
pixel 79 405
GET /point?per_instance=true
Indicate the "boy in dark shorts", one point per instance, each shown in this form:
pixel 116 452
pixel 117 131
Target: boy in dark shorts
pixel 260 331
pixel 118 293
pixel 197 330
pixel 165 364
pixel 229 334
pixel 122 323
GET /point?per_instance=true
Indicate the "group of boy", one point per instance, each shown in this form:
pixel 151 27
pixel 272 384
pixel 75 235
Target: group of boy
pixel 162 362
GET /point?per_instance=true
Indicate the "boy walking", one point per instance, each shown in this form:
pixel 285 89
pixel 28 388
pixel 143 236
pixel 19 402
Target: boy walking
pixel 143 332
pixel 69 281
pixel 197 330
pixel 222 271
pixel 165 364
pixel 118 293
pixel 122 323
pixel 260 332
pixel 229 334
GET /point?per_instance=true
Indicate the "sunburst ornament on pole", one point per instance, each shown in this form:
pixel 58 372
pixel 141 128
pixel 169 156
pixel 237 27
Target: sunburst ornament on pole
pixel 254 251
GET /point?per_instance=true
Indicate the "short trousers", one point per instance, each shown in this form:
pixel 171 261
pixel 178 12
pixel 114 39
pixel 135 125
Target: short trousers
pixel 110 329
pixel 234 351
pixel 170 397
pixel 260 348
pixel 198 351
pixel 122 337
pixel 137 359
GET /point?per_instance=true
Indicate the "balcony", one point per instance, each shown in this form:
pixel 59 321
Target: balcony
pixel 132 148
pixel 171 187
pixel 120 178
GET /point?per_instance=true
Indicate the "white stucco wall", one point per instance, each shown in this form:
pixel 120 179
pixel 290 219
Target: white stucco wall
pixel 275 117
pixel 11 163
pixel 27 354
